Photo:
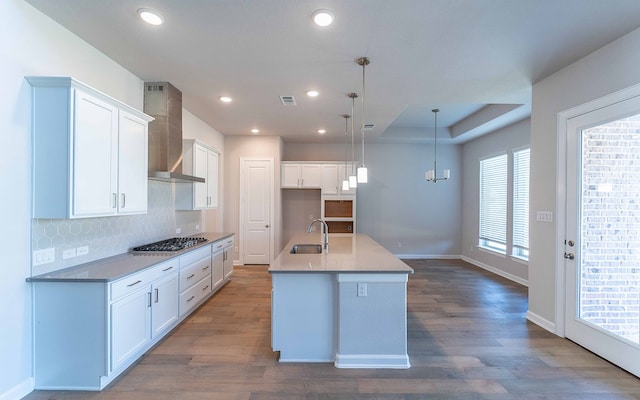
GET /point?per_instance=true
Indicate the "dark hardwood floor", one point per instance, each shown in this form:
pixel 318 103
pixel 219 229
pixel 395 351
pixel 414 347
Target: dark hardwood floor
pixel 468 339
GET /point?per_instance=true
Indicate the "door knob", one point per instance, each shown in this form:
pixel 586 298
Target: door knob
pixel 570 243
pixel 569 256
pixel 266 226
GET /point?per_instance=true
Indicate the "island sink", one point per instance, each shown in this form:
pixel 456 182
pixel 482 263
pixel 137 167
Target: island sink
pixel 306 249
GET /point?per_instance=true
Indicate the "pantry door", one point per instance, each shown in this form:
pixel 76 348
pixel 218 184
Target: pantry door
pixel 602 243
pixel 256 210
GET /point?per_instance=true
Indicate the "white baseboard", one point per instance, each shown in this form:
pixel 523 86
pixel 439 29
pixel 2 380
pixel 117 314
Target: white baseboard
pixel 395 361
pixel 542 322
pixel 428 257
pixel 19 391
pixel 497 271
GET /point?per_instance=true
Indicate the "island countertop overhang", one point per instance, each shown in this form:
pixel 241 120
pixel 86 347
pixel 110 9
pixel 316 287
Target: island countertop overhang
pixel 356 253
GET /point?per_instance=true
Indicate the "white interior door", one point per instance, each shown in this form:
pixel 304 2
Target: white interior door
pixel 602 246
pixel 256 199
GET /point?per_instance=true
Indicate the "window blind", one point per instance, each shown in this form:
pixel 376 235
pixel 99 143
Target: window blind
pixel 493 202
pixel 521 203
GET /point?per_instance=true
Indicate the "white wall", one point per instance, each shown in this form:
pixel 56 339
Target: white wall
pixel 33 44
pixel 609 69
pixel 505 140
pixel 407 215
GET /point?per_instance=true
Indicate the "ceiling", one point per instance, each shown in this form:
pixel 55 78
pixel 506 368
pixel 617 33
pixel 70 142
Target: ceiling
pixel 475 60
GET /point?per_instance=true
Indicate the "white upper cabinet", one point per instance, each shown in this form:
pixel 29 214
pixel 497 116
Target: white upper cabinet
pixel 201 160
pixel 301 176
pixel 89 152
pixel 327 176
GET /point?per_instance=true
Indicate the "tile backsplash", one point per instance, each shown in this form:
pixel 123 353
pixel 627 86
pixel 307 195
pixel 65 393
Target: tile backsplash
pixel 108 236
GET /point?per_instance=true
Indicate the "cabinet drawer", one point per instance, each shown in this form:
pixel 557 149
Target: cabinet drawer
pixel 195 255
pixel 131 283
pixel 193 296
pixel 193 273
pixel 222 244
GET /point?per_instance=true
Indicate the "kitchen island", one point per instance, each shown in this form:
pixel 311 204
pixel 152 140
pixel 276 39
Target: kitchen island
pixel 347 305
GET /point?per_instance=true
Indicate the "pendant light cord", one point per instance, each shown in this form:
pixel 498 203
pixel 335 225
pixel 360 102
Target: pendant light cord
pixel 365 61
pixel 353 97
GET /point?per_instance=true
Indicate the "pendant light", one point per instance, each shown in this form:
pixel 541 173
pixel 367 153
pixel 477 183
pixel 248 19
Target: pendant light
pixel 431 175
pixel 353 180
pixel 345 181
pixel 362 170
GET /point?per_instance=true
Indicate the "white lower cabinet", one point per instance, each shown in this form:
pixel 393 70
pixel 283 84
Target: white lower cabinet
pixel 217 258
pixel 139 318
pixel 227 264
pixel 87 332
pixel 195 279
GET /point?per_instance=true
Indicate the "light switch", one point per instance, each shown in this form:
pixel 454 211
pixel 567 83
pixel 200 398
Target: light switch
pixel 544 216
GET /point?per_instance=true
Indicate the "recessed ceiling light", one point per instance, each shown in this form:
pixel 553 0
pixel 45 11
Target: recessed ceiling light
pixel 255 130
pixel 226 99
pixel 150 16
pixel 322 131
pixel 323 17
pixel 312 93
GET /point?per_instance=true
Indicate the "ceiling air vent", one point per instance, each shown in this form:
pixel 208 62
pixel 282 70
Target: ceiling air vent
pixel 288 101
pixel 368 127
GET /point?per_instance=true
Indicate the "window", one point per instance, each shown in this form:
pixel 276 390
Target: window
pixel 520 247
pixel 493 203
pixel 505 214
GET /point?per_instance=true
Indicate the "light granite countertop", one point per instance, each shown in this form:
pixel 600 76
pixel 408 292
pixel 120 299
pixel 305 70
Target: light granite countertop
pixel 347 253
pixel 115 267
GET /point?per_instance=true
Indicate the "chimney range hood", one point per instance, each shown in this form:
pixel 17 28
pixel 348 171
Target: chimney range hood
pixel 164 102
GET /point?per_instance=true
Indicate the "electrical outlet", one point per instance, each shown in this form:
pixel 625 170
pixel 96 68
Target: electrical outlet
pixel 44 256
pixel 235 249
pixel 362 289
pixel 68 253
pixel 178 230
pixel 197 227
pixel 83 250
pixel 399 244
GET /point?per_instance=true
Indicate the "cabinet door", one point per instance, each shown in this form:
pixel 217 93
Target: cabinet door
pixel 164 311
pixel 132 164
pixel 290 177
pixel 212 179
pixel 130 326
pixel 227 262
pixel 200 157
pixel 95 157
pixel 330 179
pixel 311 176
pixel 218 268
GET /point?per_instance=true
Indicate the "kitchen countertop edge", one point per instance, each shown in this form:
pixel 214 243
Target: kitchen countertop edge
pixel 134 263
pixel 349 254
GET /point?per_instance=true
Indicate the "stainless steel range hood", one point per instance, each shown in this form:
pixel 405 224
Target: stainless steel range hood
pixel 164 102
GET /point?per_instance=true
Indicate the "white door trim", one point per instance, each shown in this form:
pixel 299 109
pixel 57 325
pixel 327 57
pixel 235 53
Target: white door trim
pixel 561 195
pixel 243 161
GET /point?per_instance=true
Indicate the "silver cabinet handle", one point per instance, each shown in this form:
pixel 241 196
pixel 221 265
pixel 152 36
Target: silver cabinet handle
pixel 205 268
pixel 157 295
pixel 190 298
pixel 149 298
pixel 191 276
pixel 134 283
pixel 205 288
pixel 124 200
pixel 167 269
pixel 114 201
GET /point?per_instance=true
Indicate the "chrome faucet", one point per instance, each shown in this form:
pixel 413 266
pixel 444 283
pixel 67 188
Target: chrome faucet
pixel 326 231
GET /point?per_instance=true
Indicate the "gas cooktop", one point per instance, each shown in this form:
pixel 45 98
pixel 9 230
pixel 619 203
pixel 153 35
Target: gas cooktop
pixel 169 245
